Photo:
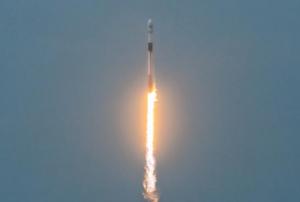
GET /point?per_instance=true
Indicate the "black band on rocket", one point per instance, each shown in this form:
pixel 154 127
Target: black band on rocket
pixel 150 46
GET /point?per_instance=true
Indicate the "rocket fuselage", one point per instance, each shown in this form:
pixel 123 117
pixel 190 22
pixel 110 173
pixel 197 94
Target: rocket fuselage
pixel 150 56
pixel 150 72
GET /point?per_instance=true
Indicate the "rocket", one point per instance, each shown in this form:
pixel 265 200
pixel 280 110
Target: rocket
pixel 150 68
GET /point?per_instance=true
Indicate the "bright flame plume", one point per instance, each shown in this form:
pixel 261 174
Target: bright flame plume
pixel 150 191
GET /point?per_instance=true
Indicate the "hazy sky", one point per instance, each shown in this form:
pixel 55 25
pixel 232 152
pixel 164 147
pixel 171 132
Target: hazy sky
pixel 72 105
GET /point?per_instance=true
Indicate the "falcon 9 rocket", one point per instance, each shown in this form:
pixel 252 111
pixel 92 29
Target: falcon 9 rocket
pixel 150 71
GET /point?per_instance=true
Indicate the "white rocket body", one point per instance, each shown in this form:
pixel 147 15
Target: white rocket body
pixel 150 71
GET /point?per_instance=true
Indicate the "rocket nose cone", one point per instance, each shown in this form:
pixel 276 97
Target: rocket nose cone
pixel 150 25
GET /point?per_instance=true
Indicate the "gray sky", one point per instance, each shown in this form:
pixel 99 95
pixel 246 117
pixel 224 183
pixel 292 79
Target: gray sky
pixel 72 107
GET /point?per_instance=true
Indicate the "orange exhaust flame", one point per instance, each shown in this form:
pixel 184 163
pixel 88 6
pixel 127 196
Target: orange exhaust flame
pixel 150 191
